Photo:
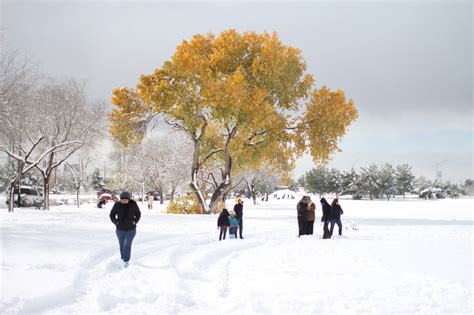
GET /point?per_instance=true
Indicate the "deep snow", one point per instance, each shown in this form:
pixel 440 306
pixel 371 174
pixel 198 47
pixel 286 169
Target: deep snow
pixel 400 256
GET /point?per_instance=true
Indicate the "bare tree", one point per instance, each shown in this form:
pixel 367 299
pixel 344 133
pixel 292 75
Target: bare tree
pixel 80 171
pixel 17 79
pixel 169 157
pixel 67 119
pixel 253 178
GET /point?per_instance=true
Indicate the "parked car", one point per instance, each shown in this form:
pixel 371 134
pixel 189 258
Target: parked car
pixel 30 196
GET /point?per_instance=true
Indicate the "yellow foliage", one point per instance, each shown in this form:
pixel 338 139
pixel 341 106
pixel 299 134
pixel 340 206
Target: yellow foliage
pixel 327 117
pixel 186 204
pixel 241 94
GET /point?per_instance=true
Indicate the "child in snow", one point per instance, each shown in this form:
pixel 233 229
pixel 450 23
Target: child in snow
pixel 234 224
pixel 223 223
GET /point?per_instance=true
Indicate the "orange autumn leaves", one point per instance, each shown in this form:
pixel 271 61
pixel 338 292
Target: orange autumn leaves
pixel 249 82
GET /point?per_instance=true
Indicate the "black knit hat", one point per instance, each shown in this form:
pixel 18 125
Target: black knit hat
pixel 125 195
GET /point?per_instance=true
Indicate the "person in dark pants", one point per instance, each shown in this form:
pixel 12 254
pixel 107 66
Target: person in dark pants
pixel 302 212
pixel 239 209
pixel 310 217
pixel 326 218
pixel 223 223
pixel 125 214
pixel 336 212
pixel 101 203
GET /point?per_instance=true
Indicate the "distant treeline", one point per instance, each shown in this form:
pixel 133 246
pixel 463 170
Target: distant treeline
pixel 375 181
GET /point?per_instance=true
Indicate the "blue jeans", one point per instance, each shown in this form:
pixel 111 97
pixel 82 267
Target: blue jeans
pixel 339 224
pixel 125 239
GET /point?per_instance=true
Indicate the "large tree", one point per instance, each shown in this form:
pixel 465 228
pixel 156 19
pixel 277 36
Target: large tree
pixel 239 98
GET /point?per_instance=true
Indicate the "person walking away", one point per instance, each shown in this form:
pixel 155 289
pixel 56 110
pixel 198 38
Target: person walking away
pixel 310 217
pixel 223 223
pixel 239 212
pixel 150 200
pixel 326 218
pixel 125 214
pixel 233 223
pixel 336 212
pixel 302 212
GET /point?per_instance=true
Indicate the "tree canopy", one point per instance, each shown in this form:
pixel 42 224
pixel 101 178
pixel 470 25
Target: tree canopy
pixel 243 99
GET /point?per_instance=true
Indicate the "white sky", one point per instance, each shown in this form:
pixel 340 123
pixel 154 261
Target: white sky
pixel 407 65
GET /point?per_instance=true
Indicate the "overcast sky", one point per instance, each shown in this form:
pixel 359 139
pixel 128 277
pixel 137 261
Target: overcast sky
pixel 407 65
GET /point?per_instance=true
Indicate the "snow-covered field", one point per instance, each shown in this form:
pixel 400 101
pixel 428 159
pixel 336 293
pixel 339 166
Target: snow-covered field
pixel 398 257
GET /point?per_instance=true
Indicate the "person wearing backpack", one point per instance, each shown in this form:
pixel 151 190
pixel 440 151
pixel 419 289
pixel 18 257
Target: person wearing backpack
pixel 326 218
pixel 336 212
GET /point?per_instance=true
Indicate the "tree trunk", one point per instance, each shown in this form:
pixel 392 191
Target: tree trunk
pixel 221 191
pixel 194 181
pixel 143 192
pixel 195 188
pixel 161 194
pixel 78 187
pixel 11 196
pixel 226 184
pixel 46 192
pixel 173 190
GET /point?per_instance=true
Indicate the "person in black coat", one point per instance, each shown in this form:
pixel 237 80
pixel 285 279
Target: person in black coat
pixel 336 212
pixel 239 212
pixel 125 214
pixel 326 218
pixel 302 212
pixel 223 223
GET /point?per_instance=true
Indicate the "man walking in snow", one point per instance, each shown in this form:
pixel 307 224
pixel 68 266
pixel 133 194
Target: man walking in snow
pixel 125 214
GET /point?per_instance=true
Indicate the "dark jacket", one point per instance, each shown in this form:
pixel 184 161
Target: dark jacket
pixel 223 218
pixel 125 216
pixel 239 209
pixel 336 211
pixel 326 210
pixel 302 209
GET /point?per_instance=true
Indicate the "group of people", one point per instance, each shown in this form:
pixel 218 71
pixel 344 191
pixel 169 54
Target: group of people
pixel 125 214
pixel 231 220
pixel 331 216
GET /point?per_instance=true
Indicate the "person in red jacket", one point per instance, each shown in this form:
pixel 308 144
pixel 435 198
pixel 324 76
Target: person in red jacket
pixel 125 214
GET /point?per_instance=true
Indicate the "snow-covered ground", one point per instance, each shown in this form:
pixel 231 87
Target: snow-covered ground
pixel 394 257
